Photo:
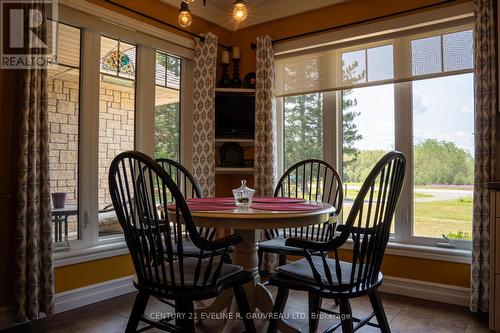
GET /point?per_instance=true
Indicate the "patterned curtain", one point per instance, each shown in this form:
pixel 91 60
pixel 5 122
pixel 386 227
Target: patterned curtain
pixel 265 130
pixel 265 120
pixel 33 262
pixel 485 141
pixel 205 63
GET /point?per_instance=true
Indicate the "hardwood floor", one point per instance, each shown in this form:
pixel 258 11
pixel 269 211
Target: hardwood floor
pixel 406 315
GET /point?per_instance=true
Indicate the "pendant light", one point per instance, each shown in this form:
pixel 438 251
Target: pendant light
pixel 240 12
pixel 185 18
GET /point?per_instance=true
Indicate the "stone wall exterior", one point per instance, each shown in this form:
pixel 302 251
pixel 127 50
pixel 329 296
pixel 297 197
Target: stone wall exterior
pixel 116 134
pixel 63 110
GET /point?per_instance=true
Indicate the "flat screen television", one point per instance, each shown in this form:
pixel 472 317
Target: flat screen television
pixel 234 115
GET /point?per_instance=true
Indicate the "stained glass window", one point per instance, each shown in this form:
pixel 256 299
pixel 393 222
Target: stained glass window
pixel 117 58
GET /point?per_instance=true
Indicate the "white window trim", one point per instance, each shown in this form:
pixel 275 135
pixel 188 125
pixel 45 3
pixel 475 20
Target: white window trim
pixel 148 39
pixel 423 252
pixel 448 19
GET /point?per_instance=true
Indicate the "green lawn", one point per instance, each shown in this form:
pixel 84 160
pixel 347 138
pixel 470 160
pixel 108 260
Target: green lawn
pixel 435 218
pixel 443 217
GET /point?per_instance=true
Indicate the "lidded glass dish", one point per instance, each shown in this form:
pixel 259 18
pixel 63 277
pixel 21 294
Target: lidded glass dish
pixel 243 195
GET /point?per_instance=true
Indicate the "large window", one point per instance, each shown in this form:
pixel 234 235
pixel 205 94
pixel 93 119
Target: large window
pixel 167 106
pixel 368 133
pixel 63 90
pixel 443 147
pixel 410 93
pixel 116 120
pixel 110 90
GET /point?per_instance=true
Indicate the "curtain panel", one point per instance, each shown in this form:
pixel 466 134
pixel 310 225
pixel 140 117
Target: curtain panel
pixel 486 104
pixel 34 282
pixel 205 64
pixel 265 120
pixel 265 131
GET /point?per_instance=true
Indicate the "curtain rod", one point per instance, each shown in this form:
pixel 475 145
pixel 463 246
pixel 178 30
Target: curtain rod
pixel 340 26
pixel 201 38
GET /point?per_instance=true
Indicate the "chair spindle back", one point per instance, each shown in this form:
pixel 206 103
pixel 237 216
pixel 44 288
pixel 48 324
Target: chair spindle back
pixel 188 187
pixel 315 180
pixel 368 224
pixel 153 213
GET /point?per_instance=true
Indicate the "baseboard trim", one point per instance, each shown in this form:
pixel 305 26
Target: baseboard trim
pixel 76 298
pixel 437 292
pixel 94 293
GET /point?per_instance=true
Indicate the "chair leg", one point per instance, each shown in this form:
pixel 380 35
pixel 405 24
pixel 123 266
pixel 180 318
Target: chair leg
pixel 184 310
pixel 260 254
pixel 279 306
pixel 379 312
pixel 314 305
pixel 346 316
pixel 282 260
pixel 140 303
pixel 242 300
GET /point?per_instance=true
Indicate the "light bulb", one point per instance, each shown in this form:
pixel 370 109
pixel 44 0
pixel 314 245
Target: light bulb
pixel 240 10
pixel 185 18
pixel 188 1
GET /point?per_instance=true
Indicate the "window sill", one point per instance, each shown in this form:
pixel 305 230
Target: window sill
pixel 76 256
pixel 424 252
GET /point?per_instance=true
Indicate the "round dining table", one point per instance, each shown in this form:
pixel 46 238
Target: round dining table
pixel 249 222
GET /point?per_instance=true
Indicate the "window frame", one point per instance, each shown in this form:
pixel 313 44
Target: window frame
pixel 403 122
pixel 90 246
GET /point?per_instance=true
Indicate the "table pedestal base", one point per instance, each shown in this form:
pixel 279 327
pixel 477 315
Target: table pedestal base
pixel 259 297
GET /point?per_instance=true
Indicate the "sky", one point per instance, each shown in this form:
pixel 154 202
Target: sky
pixel 443 109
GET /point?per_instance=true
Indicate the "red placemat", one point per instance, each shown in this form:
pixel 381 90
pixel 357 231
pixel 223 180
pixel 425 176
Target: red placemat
pixel 285 206
pixel 226 200
pixel 210 207
pixel 278 200
pixel 197 207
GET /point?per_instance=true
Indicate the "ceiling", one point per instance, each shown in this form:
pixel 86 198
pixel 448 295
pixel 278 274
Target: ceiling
pixel 259 11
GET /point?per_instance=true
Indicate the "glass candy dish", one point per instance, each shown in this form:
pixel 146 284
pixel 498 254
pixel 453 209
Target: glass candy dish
pixel 243 195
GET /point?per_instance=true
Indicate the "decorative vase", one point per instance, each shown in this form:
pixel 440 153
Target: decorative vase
pixel 236 81
pixel 59 199
pixel 224 81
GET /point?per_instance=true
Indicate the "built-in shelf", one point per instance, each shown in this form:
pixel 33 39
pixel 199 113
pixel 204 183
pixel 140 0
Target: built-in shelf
pixel 241 142
pixel 233 170
pixel 235 90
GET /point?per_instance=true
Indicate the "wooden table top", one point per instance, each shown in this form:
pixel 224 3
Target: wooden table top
pixel 249 219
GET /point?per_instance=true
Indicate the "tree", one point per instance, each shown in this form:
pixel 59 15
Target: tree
pixel 167 131
pixel 442 162
pixel 303 123
pixel 167 116
pixel 350 133
pixel 365 160
pixel 303 131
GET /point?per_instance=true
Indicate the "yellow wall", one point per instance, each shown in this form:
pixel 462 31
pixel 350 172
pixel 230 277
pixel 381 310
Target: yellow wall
pixel 92 272
pixel 80 275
